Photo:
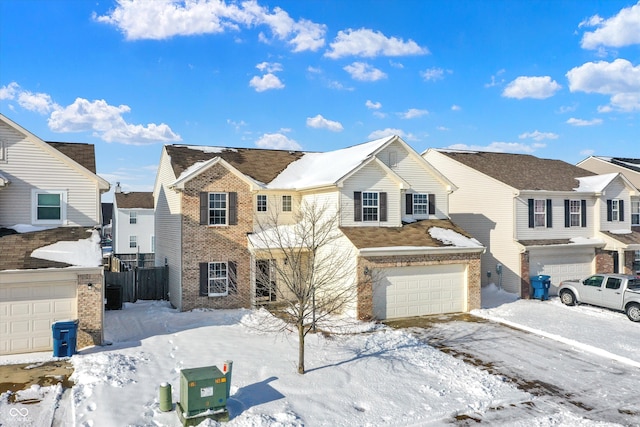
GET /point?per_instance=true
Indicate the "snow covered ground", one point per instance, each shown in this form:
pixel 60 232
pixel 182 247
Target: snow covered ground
pixel 377 376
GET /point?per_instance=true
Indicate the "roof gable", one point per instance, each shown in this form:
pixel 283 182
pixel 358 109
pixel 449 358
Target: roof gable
pixel 522 171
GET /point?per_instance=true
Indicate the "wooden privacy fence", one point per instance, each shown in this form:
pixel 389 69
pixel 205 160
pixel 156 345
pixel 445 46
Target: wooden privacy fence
pixel 149 283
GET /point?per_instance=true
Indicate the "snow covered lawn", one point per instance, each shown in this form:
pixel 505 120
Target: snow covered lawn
pixel 375 377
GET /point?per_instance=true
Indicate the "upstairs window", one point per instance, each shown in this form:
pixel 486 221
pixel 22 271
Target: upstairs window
pixel 49 207
pixel 615 210
pixel 286 204
pixel 133 241
pixel 261 203
pixel 133 217
pixel 218 209
pixel 370 206
pixel 635 212
pixel 574 213
pixel 540 213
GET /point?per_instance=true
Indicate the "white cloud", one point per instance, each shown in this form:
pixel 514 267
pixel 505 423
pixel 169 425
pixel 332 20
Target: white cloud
pixel 277 141
pixel 338 86
pixel 443 128
pixel 500 147
pixel 107 123
pixel 455 107
pixel 314 70
pixel 369 43
pixel 413 113
pixel 379 114
pixel 433 74
pixel 39 102
pixel 619 79
pixel 319 122
pixel 396 64
pixel 9 91
pixel 531 87
pixel 621 30
pixel 266 82
pixel 581 122
pixel 587 152
pixel 538 136
pixel 364 72
pixel 382 133
pixel 236 125
pixel 494 79
pixel 162 19
pixel 269 67
pixel 373 105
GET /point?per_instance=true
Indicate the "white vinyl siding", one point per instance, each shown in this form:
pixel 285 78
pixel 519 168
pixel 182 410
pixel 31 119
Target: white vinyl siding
pixel 29 166
pixel 635 212
pixel 122 228
pixel 558 229
pixel 615 191
pixel 168 228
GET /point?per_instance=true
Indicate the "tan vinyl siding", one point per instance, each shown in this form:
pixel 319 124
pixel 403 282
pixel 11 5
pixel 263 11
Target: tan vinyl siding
pixel 29 166
pixel 484 208
pixel 557 230
pixel 615 190
pixel 274 208
pixel 603 167
pixel 371 178
pixel 168 229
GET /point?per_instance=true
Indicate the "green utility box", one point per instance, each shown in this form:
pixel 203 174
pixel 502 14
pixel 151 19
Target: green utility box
pixel 202 389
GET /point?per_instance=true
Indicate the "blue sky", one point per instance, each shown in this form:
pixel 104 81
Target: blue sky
pixel 556 79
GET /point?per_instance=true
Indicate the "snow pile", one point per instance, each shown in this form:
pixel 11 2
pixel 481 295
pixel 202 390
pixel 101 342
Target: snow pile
pixel 81 253
pixel 453 238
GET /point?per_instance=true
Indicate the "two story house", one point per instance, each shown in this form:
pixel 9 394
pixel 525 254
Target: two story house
pixel 49 193
pixel 392 209
pixel 539 216
pixel 630 168
pixel 133 222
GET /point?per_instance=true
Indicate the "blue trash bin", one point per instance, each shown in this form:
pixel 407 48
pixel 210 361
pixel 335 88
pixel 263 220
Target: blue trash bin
pixel 64 338
pixel 541 284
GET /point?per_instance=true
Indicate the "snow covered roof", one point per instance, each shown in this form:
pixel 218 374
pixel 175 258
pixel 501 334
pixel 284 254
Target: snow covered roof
pixel 596 183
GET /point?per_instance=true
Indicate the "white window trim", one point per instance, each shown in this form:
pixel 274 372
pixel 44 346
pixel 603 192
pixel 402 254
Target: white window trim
pixel 635 212
pixel 210 279
pixel 426 204
pixel 615 210
pixel 260 197
pixel 3 151
pixel 34 207
pixel 578 214
pixel 226 209
pixel 133 239
pixel 133 215
pixel 542 213
pixel 290 203
pixel 377 206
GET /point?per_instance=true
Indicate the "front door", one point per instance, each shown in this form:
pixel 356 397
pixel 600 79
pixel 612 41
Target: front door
pixel 265 283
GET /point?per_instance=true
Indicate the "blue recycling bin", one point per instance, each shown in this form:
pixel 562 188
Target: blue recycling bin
pixel 541 284
pixel 65 335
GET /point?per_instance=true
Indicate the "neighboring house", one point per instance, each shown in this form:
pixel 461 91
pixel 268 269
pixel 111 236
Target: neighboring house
pixel 393 213
pixel 630 168
pixel 51 193
pixel 107 220
pixel 539 216
pixel 133 223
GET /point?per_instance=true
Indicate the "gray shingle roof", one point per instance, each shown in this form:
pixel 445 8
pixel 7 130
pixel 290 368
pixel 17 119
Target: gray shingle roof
pixel 134 200
pixel 81 153
pixel 627 163
pixel 522 171
pixel 260 164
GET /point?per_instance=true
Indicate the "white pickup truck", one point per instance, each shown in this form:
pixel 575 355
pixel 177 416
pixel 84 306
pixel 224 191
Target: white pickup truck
pixel 616 291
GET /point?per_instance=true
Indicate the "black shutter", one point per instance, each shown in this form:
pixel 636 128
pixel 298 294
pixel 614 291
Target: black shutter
pixel 432 204
pixel 409 203
pixel 583 212
pixel 383 206
pixel 621 204
pixel 567 214
pixel 233 208
pixel 204 208
pixel 233 277
pixel 531 223
pixel 204 279
pixel 357 205
pixel 609 211
pixel 549 214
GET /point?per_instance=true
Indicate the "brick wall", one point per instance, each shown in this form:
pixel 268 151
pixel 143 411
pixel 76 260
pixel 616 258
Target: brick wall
pixel 90 300
pixel 604 261
pixel 366 283
pixel 629 258
pixel 202 243
pixel 525 281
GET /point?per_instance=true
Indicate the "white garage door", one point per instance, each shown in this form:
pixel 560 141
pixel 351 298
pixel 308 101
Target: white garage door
pixel 419 291
pixel 562 267
pixel 27 312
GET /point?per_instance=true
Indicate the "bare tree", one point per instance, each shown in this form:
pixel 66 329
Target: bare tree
pixel 305 266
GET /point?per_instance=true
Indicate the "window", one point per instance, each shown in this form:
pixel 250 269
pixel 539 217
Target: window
pixel 420 204
pixel 218 279
pixel 49 207
pixel 614 210
pixel 369 206
pixel 261 203
pixel 540 213
pixel 133 217
pixel 613 283
pixel 286 204
pixel 595 281
pixel 3 153
pixel 575 215
pixel 635 212
pixel 133 241
pixel 217 208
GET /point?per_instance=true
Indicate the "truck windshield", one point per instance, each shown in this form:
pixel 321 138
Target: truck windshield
pixel 634 284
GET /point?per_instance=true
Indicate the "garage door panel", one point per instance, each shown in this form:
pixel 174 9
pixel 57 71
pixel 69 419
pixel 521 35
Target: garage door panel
pixel 417 291
pixel 562 266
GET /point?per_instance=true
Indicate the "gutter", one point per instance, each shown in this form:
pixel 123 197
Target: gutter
pixel 420 250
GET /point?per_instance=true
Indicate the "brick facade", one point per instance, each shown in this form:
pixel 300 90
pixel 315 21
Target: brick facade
pixel 604 261
pixel 203 243
pixel 90 300
pixel 525 272
pixel 374 264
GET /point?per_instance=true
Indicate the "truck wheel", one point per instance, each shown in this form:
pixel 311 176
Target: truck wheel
pixel 567 297
pixel 633 312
